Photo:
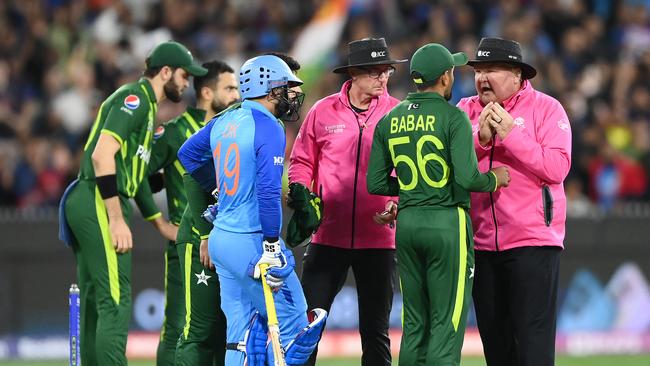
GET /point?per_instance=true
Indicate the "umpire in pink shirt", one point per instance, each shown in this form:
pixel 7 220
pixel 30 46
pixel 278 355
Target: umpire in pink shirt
pixel 518 231
pixel 330 157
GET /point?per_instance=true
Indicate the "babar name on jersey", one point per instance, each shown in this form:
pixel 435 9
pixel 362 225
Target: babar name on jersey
pixel 411 122
pixel 143 153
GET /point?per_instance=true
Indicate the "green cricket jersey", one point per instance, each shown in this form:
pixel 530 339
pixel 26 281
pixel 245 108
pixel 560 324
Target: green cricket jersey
pixel 186 231
pixel 429 144
pixel 167 140
pixel 127 115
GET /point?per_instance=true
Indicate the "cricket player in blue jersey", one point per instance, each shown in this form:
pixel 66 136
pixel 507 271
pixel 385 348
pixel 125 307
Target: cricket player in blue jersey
pixel 242 151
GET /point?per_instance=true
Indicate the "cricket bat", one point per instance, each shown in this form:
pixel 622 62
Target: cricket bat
pixel 274 328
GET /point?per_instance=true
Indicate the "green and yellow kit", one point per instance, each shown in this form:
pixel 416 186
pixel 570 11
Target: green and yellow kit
pixel 203 337
pixel 167 139
pixel 194 333
pixel 105 276
pixel 428 144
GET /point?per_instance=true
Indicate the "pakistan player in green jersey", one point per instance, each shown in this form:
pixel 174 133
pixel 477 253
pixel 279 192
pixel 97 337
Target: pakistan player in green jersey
pixel 97 208
pixel 428 143
pixel 192 306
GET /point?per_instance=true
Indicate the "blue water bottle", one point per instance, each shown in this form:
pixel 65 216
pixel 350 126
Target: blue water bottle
pixel 74 302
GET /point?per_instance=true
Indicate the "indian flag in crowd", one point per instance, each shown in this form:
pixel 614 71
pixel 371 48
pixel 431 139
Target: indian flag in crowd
pixel 320 37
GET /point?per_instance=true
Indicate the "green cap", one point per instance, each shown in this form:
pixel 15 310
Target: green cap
pixel 431 60
pixel 174 54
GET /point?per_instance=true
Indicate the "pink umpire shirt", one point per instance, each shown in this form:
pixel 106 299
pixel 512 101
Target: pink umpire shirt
pixel 332 151
pixel 538 153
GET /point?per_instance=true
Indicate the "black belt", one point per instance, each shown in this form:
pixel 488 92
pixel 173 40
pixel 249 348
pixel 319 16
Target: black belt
pixel 235 347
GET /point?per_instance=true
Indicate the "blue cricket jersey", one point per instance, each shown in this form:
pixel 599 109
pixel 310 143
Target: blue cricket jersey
pixel 244 149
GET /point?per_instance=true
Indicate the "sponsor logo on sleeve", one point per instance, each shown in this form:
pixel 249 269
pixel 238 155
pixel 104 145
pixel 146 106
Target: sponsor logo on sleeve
pixel 278 160
pixel 132 101
pixel 337 128
pixel 563 124
pixel 159 132
pixel 519 121
pixel 126 110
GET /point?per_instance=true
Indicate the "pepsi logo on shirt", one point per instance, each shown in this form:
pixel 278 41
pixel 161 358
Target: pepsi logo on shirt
pixel 132 101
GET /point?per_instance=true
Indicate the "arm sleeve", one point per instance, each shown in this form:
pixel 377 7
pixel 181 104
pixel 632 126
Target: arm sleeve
pixel 463 157
pixel 145 202
pixel 550 158
pixel 162 150
pixel 121 120
pixel 196 157
pixel 481 151
pixel 197 201
pixel 304 154
pixel 161 156
pixel 378 178
pixel 269 156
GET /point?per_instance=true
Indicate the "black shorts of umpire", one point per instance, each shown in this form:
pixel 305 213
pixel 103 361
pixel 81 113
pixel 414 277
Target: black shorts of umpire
pixel 515 297
pixel 324 271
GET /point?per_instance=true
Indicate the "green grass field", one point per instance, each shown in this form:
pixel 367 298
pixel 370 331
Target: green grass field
pixel 473 361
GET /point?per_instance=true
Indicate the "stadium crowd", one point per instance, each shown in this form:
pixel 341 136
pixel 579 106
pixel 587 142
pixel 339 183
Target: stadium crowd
pixel 60 58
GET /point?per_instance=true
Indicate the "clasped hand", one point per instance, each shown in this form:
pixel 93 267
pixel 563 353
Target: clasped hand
pixel 494 120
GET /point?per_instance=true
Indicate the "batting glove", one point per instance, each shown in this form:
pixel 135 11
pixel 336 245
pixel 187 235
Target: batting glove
pixel 281 263
pixel 215 194
pixel 275 276
pixel 210 213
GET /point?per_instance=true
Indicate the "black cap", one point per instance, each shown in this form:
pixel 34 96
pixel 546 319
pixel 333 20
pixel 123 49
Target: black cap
pixel 367 52
pixel 499 50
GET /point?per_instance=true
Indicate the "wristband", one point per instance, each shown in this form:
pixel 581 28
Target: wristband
pixel 107 185
pixel 156 182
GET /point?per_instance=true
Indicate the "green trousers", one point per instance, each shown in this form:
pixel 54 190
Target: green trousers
pixel 203 338
pixel 435 256
pixel 104 278
pixel 174 308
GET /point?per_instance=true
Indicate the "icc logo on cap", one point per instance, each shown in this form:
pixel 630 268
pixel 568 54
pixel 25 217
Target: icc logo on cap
pixel 132 101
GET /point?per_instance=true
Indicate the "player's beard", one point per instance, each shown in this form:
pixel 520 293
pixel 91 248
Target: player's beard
pixel 448 93
pixel 172 91
pixel 217 106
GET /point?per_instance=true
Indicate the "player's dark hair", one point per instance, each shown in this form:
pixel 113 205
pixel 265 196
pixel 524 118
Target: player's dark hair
pixel 293 64
pixel 151 72
pixel 215 69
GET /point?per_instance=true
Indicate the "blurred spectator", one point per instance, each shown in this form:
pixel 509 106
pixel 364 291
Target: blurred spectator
pixel 8 155
pixel 614 177
pixel 28 172
pixel 59 58
pixel 578 204
pixel 74 106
